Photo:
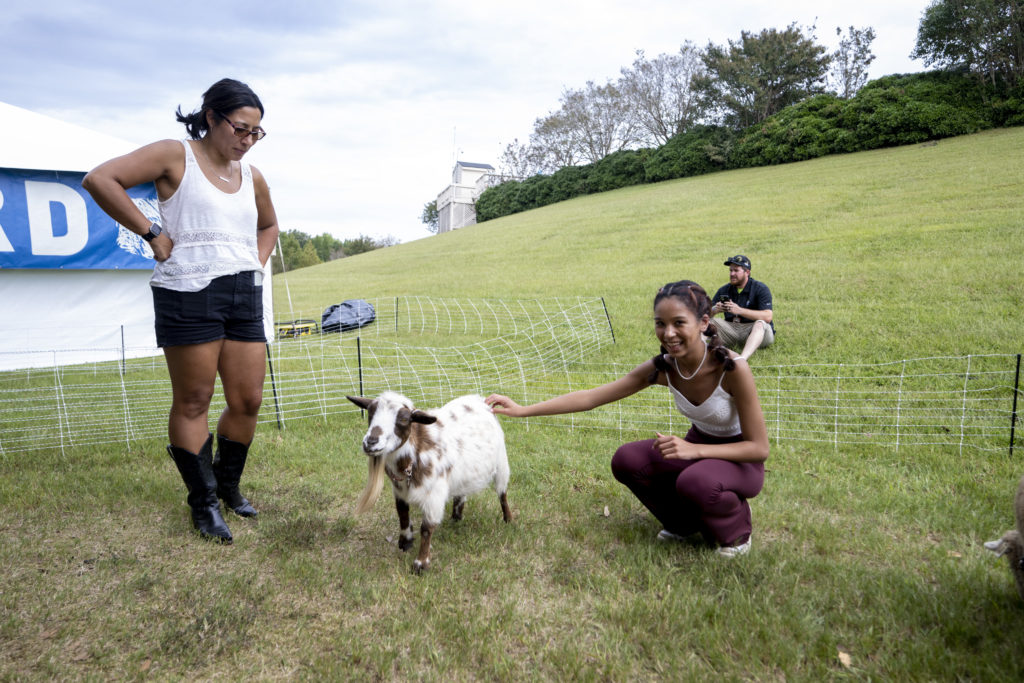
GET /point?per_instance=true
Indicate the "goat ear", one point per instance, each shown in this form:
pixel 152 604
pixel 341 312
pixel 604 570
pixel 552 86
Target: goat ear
pixel 423 418
pixel 363 403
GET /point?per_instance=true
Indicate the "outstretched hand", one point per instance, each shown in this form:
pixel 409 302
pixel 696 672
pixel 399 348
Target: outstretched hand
pixel 673 447
pixel 503 405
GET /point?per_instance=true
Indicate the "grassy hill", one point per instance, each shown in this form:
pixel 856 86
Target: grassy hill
pixel 870 256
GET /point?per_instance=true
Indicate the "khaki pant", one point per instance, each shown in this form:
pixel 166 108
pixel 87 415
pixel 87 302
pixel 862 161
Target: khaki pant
pixel 735 334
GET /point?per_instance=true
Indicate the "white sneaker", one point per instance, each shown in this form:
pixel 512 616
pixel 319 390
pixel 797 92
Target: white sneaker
pixel 734 550
pixel 666 535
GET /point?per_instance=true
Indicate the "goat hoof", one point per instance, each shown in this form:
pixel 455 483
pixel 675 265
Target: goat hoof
pixel 419 567
pixel 404 544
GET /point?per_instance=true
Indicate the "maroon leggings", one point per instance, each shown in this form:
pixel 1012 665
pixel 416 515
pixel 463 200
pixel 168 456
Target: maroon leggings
pixel 707 496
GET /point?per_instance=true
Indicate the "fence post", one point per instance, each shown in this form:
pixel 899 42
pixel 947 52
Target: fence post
pixel 359 363
pixel 609 318
pixel 273 387
pixel 1013 416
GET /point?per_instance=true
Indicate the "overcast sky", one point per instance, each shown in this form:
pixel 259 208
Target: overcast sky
pixel 368 104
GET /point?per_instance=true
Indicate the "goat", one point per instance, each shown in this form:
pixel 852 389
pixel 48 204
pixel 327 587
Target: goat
pixel 431 457
pixel 1012 542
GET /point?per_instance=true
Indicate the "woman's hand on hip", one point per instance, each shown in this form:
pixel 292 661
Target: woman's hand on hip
pixel 161 246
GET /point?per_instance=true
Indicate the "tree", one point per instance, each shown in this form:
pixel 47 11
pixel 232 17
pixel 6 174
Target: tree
pixel 983 37
pixel 296 251
pixel 358 245
pixel 430 216
pixel 600 119
pixel 660 94
pixel 327 247
pixel 762 74
pixel 554 143
pixel 851 60
pixel 589 125
pixel 519 161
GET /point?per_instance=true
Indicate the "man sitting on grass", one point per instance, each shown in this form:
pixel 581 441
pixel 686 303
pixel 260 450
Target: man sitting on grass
pixel 747 305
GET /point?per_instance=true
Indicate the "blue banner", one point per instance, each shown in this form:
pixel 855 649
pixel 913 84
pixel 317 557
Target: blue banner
pixel 48 221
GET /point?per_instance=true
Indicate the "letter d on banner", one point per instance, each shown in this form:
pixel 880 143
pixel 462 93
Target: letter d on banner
pixel 39 196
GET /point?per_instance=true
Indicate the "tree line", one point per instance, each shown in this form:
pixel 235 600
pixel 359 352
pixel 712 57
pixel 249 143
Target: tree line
pixel 297 249
pixel 769 97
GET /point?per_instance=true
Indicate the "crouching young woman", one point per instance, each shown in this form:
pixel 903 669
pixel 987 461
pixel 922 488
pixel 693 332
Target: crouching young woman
pixel 701 482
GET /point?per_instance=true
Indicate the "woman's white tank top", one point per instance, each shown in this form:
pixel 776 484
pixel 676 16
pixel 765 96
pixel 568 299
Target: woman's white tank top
pixel 214 232
pixel 716 416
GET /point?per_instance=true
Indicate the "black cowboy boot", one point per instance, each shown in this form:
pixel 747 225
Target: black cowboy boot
pixel 227 467
pixel 197 473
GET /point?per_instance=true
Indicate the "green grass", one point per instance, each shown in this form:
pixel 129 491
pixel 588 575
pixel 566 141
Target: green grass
pixel 859 550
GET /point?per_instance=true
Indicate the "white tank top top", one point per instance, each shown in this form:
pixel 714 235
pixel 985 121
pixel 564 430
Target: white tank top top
pixel 214 232
pixel 716 416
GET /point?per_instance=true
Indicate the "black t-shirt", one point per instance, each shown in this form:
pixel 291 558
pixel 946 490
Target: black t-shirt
pixel 756 296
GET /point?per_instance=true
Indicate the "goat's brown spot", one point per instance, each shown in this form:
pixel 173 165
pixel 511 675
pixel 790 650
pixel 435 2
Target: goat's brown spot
pixel 422 561
pixel 420 438
pixel 422 472
pixel 403 423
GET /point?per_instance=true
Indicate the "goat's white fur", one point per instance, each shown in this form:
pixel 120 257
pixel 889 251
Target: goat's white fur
pixel 431 457
pixel 1012 542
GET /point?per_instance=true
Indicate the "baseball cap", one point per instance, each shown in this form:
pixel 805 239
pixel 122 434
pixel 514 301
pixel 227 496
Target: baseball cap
pixel 739 260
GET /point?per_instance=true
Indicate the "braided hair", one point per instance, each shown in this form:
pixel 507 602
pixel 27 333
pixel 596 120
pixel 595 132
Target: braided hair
pixel 696 299
pixel 223 97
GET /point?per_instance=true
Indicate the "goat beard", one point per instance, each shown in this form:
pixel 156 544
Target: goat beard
pixel 374 484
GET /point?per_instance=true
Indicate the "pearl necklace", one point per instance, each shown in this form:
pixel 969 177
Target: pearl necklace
pixel 699 366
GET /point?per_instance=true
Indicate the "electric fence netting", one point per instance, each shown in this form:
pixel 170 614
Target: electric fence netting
pixel 434 349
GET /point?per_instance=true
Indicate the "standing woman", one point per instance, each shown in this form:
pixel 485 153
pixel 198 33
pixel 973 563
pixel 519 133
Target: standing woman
pixel 699 483
pixel 216 231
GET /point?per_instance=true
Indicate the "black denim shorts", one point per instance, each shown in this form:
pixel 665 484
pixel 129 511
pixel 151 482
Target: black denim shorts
pixel 230 307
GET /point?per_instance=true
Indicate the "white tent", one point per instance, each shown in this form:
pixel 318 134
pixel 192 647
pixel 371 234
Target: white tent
pixel 59 315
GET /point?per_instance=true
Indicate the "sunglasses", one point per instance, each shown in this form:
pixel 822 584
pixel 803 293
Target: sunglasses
pixel 243 131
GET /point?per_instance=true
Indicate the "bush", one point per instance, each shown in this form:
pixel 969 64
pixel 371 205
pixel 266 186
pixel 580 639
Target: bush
pixel 701 149
pixel 618 169
pixel 803 131
pixel 497 201
pixel 569 182
pixel 900 110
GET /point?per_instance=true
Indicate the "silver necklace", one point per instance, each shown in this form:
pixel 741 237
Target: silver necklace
pixel 231 172
pixel 699 366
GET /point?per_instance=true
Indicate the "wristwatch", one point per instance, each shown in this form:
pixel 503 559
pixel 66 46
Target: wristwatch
pixel 154 230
